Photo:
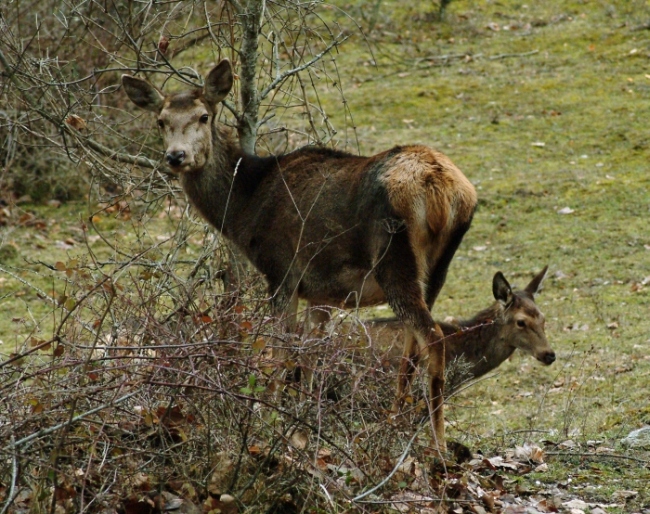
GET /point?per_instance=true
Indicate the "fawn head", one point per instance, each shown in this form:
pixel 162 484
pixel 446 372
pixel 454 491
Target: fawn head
pixel 523 322
pixel 185 119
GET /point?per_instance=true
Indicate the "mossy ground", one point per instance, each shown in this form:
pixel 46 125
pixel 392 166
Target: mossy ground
pixel 564 125
pixel 556 141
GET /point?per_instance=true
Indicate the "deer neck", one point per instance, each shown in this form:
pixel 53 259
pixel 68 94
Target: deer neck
pixel 482 340
pixel 212 190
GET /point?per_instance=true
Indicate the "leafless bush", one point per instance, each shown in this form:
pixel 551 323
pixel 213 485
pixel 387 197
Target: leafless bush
pixel 147 387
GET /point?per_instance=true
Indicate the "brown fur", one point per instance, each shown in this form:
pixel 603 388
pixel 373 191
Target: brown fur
pixel 330 227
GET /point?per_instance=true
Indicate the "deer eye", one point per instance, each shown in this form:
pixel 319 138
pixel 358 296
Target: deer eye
pixel 521 323
pixel 161 124
pixel 204 118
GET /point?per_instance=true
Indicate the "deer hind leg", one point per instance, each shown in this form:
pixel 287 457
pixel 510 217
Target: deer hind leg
pixel 397 275
pixel 436 373
pixel 428 345
pixel 438 274
pixel 436 363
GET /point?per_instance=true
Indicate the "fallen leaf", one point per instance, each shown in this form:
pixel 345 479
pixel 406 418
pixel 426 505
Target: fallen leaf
pixel 576 504
pixel 499 462
pixel 624 494
pixel 530 452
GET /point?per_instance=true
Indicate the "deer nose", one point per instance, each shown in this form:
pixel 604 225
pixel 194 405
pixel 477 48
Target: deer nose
pixel 175 158
pixel 548 358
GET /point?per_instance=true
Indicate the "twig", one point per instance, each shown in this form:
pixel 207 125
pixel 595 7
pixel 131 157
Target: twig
pixel 643 26
pixel 300 68
pixel 505 56
pixel 399 463
pixel 119 157
pixel 46 431
pixel 26 283
pixel 593 455
pixel 14 477
pixel 10 73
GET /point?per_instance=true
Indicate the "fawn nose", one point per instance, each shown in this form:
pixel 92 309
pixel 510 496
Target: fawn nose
pixel 548 358
pixel 175 158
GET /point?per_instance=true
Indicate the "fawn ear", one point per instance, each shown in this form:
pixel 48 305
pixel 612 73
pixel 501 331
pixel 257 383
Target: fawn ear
pixel 218 83
pixel 535 284
pixel 143 94
pixel 501 289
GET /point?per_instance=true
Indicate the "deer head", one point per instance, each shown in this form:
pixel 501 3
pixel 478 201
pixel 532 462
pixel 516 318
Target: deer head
pixel 523 322
pixel 185 119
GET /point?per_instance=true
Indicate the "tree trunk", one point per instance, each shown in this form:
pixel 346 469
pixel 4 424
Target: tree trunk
pixel 251 17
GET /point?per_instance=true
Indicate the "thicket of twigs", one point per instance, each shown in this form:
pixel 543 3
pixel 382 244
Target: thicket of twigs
pixel 153 384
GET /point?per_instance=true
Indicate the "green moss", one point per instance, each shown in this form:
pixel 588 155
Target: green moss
pixel 8 253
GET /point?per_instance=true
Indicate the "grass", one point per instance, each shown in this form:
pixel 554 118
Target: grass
pixel 585 96
pixel 562 125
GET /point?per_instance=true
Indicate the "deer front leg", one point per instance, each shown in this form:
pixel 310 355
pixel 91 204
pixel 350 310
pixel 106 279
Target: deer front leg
pixel 284 308
pixel 317 318
pixel 431 346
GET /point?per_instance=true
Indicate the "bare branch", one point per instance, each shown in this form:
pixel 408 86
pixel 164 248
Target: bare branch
pixel 138 160
pixel 73 420
pixel 282 77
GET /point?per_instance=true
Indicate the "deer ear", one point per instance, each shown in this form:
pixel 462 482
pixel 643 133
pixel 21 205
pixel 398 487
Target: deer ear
pixel 218 83
pixel 501 289
pixel 535 284
pixel 143 94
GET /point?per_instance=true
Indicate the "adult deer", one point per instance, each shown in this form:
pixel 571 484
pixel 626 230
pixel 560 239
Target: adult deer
pixel 330 227
pixel 476 346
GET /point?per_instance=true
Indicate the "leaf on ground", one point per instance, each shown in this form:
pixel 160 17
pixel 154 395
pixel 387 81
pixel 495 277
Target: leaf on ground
pixel 530 452
pixel 299 439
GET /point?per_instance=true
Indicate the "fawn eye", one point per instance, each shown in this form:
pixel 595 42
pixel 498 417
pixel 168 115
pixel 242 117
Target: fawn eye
pixel 521 323
pixel 204 118
pixel 161 124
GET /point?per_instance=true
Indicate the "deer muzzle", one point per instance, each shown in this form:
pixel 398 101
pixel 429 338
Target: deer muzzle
pixel 175 158
pixel 547 358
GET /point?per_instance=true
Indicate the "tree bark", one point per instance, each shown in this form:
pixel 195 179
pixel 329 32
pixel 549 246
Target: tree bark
pixel 251 17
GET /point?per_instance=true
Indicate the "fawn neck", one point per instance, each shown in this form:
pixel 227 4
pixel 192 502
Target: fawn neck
pixel 481 339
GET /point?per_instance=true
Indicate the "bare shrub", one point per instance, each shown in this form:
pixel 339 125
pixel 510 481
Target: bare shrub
pixel 146 387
